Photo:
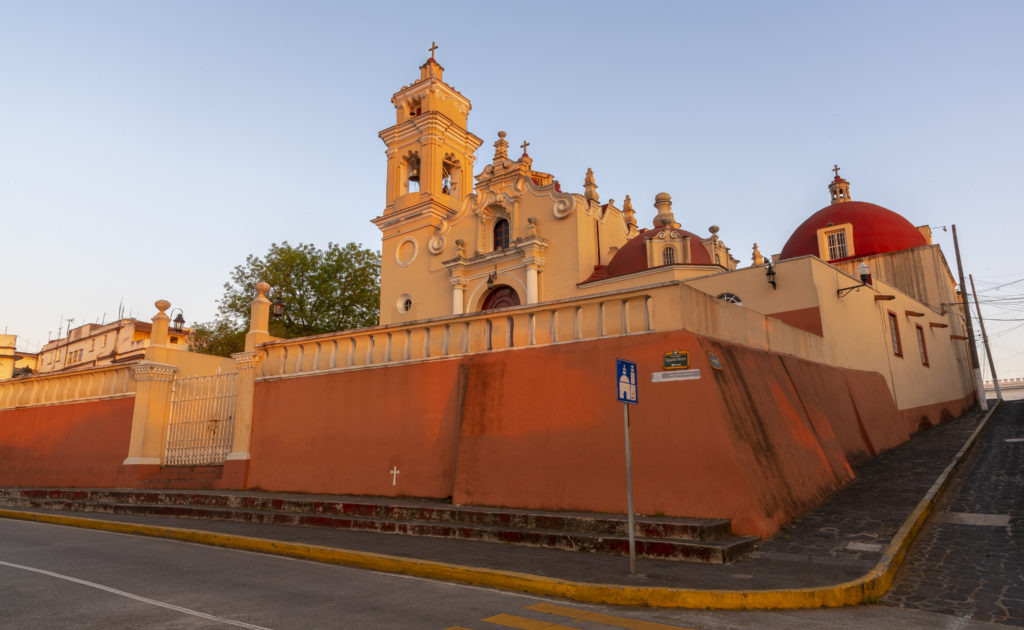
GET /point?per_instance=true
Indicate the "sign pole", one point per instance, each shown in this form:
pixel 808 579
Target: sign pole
pixel 629 495
pixel 626 385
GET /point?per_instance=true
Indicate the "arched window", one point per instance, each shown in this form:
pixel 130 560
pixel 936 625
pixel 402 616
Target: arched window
pixel 450 175
pixel 501 234
pixel 731 298
pixel 668 256
pixel 412 170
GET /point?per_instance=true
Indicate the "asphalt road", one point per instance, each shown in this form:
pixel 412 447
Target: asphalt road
pixel 62 577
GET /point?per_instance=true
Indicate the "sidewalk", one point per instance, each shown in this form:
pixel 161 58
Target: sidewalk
pixel 842 540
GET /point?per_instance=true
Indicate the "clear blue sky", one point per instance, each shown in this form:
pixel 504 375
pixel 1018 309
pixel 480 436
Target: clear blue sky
pixel 147 147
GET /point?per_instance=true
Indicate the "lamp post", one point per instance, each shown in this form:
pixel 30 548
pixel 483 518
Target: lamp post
pixel 277 308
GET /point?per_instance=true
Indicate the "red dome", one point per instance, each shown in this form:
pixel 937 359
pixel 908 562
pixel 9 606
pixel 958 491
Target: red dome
pixel 876 230
pixel 632 256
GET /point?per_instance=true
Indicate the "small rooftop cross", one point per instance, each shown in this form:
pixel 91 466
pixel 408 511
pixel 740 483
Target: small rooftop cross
pixel 835 169
pixel 394 474
pixel 433 47
pixel 524 145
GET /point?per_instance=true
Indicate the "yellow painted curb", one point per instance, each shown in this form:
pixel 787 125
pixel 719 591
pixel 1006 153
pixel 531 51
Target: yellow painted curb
pixel 873 584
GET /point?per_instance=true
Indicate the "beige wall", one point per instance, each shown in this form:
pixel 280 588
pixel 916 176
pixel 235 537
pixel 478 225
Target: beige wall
pixel 7 359
pixel 855 327
pixel 921 273
pixel 95 344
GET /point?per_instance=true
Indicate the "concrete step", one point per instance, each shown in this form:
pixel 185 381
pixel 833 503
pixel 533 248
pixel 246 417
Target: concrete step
pixel 701 540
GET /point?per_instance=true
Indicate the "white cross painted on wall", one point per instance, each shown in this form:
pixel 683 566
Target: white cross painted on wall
pixel 394 474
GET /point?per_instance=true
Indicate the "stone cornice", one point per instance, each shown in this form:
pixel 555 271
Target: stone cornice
pixel 150 371
pixel 248 360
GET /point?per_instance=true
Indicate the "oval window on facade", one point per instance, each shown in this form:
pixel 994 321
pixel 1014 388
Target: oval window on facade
pixel 731 298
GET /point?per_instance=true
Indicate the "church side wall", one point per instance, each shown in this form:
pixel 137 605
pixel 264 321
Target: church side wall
pixel 73 445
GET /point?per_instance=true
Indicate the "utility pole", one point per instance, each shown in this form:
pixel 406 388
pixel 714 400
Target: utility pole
pixel 979 383
pixel 984 337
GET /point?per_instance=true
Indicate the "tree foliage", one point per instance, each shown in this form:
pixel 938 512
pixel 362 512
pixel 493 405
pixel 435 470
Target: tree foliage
pixel 324 290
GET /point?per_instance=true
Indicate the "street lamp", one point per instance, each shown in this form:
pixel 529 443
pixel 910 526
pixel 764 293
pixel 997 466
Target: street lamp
pixel 179 320
pixel 277 308
pixel 865 279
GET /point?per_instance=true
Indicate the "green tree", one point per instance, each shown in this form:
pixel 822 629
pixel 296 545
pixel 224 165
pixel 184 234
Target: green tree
pixel 324 290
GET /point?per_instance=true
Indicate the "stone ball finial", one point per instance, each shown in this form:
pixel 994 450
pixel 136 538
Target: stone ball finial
pixel 502 134
pixel 714 229
pixel 162 305
pixel 262 288
pixel 663 202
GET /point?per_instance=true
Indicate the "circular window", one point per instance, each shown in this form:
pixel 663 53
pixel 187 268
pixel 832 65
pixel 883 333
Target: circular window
pixel 404 303
pixel 406 252
pixel 731 298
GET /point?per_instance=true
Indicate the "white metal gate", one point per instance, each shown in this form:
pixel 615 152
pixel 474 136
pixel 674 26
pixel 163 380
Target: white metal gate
pixel 202 421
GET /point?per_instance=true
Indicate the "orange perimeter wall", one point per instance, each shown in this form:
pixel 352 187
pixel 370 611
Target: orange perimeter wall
pixel 73 445
pixel 759 441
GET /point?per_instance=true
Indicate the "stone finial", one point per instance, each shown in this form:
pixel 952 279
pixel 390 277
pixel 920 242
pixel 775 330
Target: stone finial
pixel 501 147
pixel 590 186
pixel 756 257
pixel 262 288
pixel 162 305
pixel 663 203
pixel 628 212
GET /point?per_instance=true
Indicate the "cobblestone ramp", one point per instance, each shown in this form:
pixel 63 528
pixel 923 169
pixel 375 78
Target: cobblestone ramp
pixel 969 560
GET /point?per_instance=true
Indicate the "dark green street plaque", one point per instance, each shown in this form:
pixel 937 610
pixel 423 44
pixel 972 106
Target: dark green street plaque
pixel 677 360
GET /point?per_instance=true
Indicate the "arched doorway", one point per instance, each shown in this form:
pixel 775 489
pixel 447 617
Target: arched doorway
pixel 502 296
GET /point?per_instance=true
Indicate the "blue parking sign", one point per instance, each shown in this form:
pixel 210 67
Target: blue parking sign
pixel 625 381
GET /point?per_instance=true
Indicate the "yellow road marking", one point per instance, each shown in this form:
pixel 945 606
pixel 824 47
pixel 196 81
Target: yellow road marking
pixel 608 620
pixel 873 584
pixel 511 621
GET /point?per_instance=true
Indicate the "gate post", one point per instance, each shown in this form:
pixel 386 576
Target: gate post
pixel 149 418
pixel 152 403
pixel 236 465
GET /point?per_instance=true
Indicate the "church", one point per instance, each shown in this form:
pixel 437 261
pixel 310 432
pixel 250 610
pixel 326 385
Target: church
pixel 507 301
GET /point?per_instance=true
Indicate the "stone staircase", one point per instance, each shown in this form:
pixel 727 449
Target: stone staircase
pixel 695 540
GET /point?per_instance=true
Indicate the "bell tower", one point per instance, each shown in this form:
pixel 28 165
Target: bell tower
pixel 430 173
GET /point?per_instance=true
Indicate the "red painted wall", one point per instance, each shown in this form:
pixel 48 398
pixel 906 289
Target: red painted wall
pixel 74 445
pixel 759 441
pixel 342 433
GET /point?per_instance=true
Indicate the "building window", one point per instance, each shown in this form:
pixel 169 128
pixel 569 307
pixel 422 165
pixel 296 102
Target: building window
pixel 921 346
pixel 501 234
pixel 731 298
pixel 836 240
pixel 668 256
pixel 174 340
pixel 894 332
